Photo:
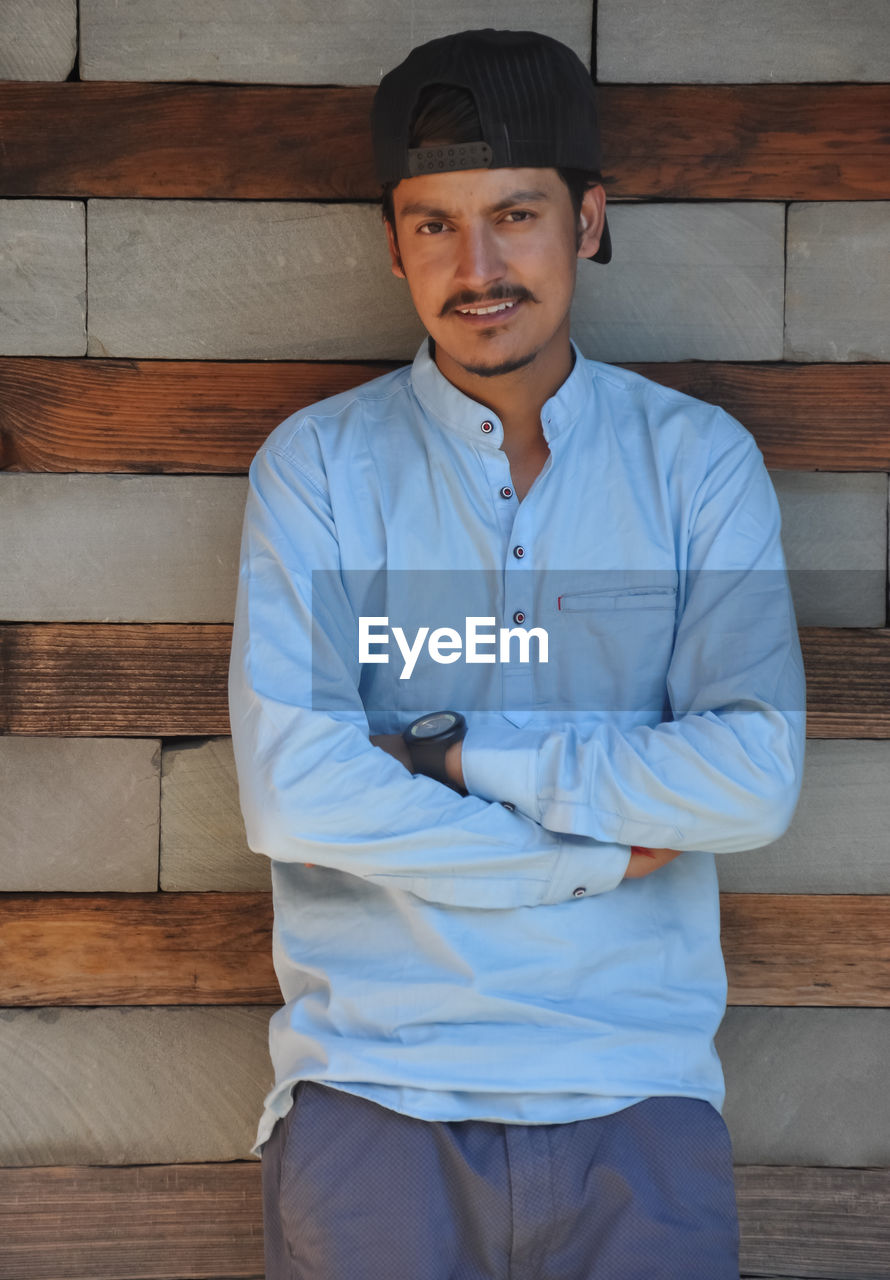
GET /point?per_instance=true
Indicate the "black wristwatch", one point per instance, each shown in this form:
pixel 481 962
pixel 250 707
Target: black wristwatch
pixel 428 738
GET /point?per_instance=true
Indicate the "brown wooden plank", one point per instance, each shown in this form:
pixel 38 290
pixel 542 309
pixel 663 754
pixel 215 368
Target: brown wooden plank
pixel 824 950
pixel 151 416
pixel 140 1222
pixel 107 680
pixel 807 949
pixel 848 681
pixel 198 1221
pixel 814 1222
pixel 285 142
pixel 136 949
pixel 167 680
pixel 210 417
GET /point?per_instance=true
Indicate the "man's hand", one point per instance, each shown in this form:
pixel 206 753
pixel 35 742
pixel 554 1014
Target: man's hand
pixel 394 745
pixel 644 861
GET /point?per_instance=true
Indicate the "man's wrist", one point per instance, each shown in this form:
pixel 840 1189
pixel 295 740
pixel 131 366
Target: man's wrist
pixel 454 764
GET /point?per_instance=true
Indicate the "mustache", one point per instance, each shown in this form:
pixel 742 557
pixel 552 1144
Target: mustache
pixel 504 293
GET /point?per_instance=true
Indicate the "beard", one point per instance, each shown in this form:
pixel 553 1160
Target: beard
pixel 498 370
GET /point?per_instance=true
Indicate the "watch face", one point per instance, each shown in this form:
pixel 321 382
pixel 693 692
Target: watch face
pixel 433 725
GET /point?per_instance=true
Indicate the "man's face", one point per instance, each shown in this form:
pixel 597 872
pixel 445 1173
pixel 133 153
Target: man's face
pixel 482 238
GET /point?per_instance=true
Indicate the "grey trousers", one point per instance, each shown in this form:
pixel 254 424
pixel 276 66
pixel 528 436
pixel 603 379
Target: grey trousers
pixel 355 1191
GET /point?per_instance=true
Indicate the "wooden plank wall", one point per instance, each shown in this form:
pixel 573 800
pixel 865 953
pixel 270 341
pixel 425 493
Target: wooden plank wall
pixel 189 251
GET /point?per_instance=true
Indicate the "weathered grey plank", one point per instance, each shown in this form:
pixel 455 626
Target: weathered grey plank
pixel 42 278
pixel 742 41
pixel 151 1085
pixel 265 280
pixel 353 42
pixel 837 841
pixel 165 548
pixel 834 533
pixel 229 280
pixel 838 291
pixel 203 845
pixel 686 281
pixel 131 1085
pixel 79 814
pixel 807 1086
pixel 145 548
pixel 38 39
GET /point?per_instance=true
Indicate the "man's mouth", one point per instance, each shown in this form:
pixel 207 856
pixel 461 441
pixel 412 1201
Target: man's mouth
pixel 493 309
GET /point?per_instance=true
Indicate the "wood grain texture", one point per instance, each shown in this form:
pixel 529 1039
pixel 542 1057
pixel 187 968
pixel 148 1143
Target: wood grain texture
pixel 169 680
pixel 724 142
pixel 95 681
pixel 216 948
pixel 210 417
pixel 136 1223
pixel 137 949
pixel 177 416
pixel 205 1220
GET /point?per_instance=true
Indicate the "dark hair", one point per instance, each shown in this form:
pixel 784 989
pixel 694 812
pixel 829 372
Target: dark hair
pixel 446 115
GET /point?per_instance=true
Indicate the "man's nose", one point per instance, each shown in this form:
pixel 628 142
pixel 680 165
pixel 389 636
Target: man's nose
pixel 480 259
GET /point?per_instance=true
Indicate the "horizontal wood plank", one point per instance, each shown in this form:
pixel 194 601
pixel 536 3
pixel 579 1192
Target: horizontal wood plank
pixel 169 680
pixel 97 680
pixel 199 1221
pixel 210 417
pixel 821 950
pixel 285 142
pixel 138 1223
pixel 136 949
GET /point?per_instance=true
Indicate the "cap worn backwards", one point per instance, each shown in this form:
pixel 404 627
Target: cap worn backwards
pixel 535 100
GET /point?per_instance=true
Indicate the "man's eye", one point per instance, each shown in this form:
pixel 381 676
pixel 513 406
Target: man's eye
pixel 521 215
pixel 431 228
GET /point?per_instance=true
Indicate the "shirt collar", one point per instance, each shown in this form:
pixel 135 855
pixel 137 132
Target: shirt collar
pixel 465 416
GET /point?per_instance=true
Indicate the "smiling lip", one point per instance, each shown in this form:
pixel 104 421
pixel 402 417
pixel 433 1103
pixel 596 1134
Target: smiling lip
pixel 489 313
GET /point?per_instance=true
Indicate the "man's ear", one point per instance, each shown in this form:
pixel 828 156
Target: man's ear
pixel 591 219
pixel 397 268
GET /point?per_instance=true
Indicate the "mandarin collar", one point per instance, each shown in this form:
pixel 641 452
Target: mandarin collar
pixel 465 417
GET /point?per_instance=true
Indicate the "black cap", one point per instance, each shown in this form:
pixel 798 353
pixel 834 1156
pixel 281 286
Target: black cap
pixel 535 99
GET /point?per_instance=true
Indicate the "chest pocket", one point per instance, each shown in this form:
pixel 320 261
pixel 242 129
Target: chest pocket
pixel 615 646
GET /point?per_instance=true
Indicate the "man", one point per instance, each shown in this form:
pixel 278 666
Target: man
pixel 514 657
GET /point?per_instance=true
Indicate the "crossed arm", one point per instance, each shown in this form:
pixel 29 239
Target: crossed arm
pixel 642 861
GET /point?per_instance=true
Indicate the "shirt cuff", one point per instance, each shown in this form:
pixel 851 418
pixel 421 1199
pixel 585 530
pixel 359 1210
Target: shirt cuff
pixel 500 763
pixel 584 867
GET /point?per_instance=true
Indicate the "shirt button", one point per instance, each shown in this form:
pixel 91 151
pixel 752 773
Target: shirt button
pixel 519 616
pixel 486 427
pixel 519 552
pixel 506 492
pixel 508 805
pixel 580 891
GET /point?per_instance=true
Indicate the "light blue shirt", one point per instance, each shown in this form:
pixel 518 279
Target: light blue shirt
pixel 460 957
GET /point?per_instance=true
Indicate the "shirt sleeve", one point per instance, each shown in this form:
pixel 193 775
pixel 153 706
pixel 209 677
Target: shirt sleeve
pixel 312 787
pixel 724 775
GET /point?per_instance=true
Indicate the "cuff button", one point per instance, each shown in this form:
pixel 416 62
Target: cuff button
pixel 508 805
pixel 580 891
